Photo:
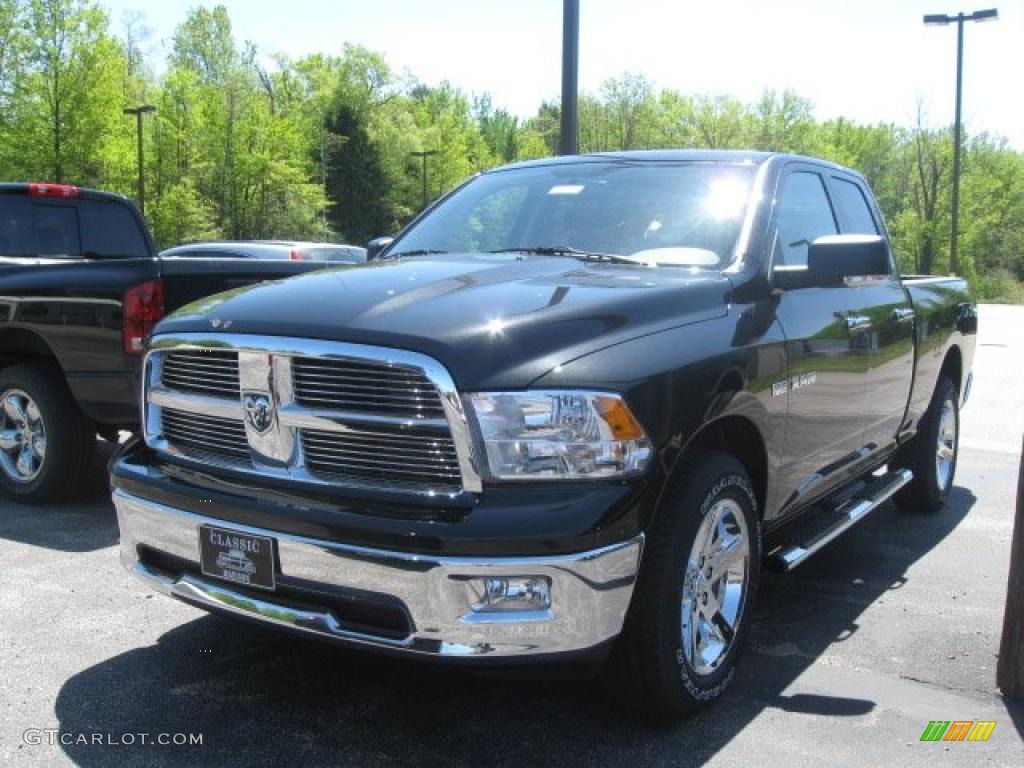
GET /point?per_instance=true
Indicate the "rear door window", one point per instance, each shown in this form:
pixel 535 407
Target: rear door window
pixel 853 208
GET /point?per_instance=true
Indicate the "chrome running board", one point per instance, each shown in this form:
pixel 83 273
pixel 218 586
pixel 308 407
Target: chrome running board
pixel 786 557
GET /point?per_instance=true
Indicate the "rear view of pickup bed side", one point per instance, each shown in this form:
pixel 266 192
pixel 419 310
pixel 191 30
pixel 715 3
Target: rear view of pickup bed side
pixel 81 286
pixel 568 413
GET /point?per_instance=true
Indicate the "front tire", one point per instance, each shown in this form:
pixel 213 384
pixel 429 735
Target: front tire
pixel 695 595
pixel 932 454
pixel 46 447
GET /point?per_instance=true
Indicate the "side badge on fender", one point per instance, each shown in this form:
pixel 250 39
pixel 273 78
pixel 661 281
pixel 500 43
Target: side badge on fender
pixel 799 381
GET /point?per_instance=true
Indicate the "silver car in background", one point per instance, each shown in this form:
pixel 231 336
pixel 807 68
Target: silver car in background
pixel 268 249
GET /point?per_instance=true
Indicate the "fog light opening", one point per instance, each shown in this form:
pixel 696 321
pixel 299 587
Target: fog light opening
pixel 506 594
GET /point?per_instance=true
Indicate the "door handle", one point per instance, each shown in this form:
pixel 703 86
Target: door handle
pixel 903 314
pixel 857 322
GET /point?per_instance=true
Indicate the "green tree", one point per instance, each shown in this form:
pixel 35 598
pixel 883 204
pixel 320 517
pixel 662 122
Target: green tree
pixel 180 215
pixel 783 123
pixel 717 122
pixel 67 109
pixel 356 178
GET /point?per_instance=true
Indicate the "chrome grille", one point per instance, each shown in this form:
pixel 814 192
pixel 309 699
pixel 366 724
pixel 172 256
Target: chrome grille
pixel 364 386
pixel 383 456
pixel 193 433
pixel 339 414
pixel 205 372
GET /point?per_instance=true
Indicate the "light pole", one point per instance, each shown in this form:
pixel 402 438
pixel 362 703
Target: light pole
pixel 424 155
pixel 570 76
pixel 942 19
pixel 145 109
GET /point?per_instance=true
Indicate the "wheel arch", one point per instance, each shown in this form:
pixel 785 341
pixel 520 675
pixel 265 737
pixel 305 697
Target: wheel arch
pixel 21 345
pixel 738 436
pixel 953 366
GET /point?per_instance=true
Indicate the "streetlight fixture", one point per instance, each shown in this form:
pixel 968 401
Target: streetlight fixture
pixel 941 19
pixel 424 155
pixel 139 111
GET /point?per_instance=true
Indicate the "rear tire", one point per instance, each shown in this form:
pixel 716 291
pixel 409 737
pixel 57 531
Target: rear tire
pixel 695 595
pixel 46 446
pixel 932 454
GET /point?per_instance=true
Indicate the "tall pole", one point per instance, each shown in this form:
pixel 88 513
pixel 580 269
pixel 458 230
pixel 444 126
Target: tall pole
pixel 954 234
pixel 424 177
pixel 142 165
pixel 570 76
pixel 942 19
pixel 323 170
pixel 423 156
pixel 145 109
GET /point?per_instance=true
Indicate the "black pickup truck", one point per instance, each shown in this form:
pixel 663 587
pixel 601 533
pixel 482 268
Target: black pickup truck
pixel 80 288
pixel 567 414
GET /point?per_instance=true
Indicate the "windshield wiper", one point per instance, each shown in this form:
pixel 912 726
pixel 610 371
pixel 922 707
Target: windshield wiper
pixel 415 252
pixel 567 250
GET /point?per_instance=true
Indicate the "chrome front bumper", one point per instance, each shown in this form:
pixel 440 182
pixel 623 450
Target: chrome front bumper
pixel 590 591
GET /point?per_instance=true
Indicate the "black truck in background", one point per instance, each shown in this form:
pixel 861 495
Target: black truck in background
pixel 569 412
pixel 81 286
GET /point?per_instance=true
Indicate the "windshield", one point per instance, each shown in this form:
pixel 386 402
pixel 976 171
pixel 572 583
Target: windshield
pixel 682 214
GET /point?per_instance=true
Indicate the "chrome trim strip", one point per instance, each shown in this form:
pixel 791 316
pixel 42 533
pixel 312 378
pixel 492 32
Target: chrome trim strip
pixel 207 594
pixel 858 322
pixel 292 415
pixel 590 591
pixel 301 416
pixel 205 405
pixel 903 314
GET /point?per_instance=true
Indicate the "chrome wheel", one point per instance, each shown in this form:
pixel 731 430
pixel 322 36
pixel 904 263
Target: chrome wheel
pixel 715 586
pixel 22 436
pixel 945 449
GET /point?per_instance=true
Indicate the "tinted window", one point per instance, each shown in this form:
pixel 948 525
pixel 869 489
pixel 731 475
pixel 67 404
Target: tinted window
pixel 54 231
pixel 853 207
pixel 15 225
pixel 804 214
pixel 89 228
pixel 110 230
pixel 29 229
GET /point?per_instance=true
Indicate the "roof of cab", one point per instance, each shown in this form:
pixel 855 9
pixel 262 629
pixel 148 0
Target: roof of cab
pixel 729 156
pixel 92 194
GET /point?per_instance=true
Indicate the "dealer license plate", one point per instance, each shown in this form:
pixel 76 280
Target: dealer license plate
pixel 239 557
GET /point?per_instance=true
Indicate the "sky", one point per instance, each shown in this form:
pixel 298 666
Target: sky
pixel 868 60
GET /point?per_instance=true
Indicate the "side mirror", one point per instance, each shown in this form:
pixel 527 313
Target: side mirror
pixel 376 246
pixel 833 258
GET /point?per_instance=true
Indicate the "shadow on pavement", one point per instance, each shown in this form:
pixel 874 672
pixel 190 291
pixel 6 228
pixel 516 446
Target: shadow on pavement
pixel 1016 711
pixel 84 524
pixel 263 699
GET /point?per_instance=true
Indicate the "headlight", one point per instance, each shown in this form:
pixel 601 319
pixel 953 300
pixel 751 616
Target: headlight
pixel 559 434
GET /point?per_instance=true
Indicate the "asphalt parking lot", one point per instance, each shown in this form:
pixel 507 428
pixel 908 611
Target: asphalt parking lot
pixel 896 624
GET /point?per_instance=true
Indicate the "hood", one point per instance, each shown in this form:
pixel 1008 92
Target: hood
pixel 494 320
